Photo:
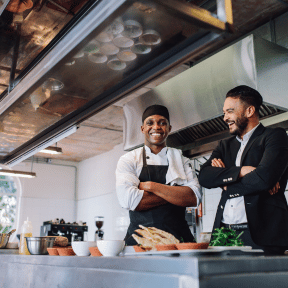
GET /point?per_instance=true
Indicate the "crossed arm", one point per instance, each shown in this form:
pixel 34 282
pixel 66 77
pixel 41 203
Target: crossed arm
pixel 135 195
pixel 244 171
pixel 156 194
pixel 247 179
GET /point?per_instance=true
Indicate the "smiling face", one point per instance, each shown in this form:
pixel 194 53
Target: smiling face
pixel 156 129
pixel 236 116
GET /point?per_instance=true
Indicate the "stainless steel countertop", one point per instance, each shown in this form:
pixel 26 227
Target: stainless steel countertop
pixel 221 270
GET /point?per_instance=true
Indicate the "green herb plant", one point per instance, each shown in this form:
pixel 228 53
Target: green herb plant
pixel 226 237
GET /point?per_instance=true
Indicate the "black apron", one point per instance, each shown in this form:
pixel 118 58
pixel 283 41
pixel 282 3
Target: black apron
pixel 168 217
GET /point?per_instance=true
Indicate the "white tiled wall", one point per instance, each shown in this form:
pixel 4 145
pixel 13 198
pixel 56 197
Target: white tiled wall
pixel 48 196
pixel 96 195
pixel 116 219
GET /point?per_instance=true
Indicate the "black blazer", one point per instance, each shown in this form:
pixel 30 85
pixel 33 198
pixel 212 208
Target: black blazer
pixel 267 150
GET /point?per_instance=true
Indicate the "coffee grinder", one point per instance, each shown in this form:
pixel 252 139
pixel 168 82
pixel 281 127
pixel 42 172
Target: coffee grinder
pixel 99 221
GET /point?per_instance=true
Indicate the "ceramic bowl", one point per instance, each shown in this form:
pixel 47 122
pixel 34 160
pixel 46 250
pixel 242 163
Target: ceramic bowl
pixel 65 251
pixel 81 248
pixel 110 247
pixel 184 246
pixel 53 251
pixel 95 252
pixel 166 247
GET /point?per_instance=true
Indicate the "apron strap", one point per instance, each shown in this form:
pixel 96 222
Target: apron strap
pixel 145 162
pixel 144 157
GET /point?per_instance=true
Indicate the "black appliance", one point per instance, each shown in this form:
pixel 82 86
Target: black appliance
pixel 71 231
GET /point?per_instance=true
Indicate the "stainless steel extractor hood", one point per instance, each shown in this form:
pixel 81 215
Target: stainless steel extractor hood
pixel 92 66
pixel 195 97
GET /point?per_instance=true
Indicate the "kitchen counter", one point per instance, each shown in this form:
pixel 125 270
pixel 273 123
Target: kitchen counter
pixel 223 269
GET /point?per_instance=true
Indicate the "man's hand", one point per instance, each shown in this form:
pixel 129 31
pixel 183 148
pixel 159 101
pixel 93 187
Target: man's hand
pixel 245 170
pixel 146 186
pixel 218 163
pixel 275 189
pixel 177 195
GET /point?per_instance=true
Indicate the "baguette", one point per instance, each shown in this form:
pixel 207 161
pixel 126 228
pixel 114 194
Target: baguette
pixel 145 243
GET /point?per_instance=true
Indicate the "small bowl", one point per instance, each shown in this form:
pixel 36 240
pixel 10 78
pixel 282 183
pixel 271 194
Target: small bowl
pixel 4 238
pixel 39 245
pixel 133 29
pixel 105 37
pixel 81 248
pixel 138 248
pixel 116 64
pixel 140 48
pixel 97 58
pixel 109 49
pixel 166 247
pixel 110 247
pixel 115 28
pixel 95 252
pixel 53 251
pixel 122 41
pixel 126 55
pixel 66 252
pixel 150 37
pixel 184 246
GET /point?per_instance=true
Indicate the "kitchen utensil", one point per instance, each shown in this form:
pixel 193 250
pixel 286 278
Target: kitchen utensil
pixel 39 245
pixel 81 248
pixel 110 247
pixel 140 48
pixel 97 58
pixel 11 232
pixel 4 238
pixel 116 64
pixel 122 41
pixel 109 49
pixel 52 84
pixel 133 29
pixel 126 55
pixel 115 28
pixel 95 252
pixel 53 251
pixel 104 37
pixel 185 246
pixel 92 47
pixel 150 37
pixel 66 252
pixel 79 54
pixel 99 222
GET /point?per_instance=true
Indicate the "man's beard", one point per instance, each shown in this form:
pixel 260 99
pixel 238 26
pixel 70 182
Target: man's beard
pixel 241 124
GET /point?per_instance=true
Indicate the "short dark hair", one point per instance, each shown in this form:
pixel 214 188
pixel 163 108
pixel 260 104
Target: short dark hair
pixel 247 95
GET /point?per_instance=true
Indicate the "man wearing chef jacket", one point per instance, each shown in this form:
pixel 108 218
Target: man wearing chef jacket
pixel 155 182
pixel 251 168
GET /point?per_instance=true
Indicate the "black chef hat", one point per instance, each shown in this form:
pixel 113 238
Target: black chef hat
pixel 156 110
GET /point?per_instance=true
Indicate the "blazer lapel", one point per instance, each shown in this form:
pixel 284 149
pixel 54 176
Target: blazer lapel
pixel 234 148
pixel 259 130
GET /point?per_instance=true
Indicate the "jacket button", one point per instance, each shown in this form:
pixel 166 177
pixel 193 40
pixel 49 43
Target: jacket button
pixel 221 207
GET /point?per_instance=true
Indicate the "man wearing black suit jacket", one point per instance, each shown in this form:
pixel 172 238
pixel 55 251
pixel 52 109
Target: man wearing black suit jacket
pixel 252 169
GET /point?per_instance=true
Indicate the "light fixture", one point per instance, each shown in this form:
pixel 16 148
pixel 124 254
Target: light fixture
pixel 52 150
pixel 17 173
pixel 63 134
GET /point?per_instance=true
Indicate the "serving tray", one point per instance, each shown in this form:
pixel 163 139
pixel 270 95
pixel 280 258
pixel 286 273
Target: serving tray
pixel 211 250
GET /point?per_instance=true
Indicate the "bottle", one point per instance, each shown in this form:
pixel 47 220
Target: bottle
pixel 26 231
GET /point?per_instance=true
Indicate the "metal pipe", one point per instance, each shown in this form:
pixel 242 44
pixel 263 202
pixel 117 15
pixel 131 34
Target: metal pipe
pixel 14 57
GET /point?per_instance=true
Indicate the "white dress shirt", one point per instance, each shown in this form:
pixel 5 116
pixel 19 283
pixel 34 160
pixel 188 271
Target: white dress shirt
pixel 234 210
pixel 130 165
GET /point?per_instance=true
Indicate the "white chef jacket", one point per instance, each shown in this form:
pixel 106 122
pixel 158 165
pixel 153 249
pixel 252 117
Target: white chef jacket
pixel 129 167
pixel 234 210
